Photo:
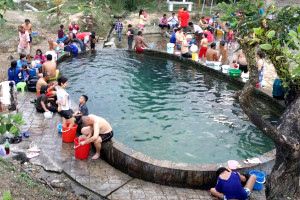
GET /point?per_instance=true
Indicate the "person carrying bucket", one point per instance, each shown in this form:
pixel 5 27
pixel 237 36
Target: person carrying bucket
pixel 96 130
pixel 229 185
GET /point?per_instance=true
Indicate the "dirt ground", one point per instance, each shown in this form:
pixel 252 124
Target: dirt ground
pixel 26 181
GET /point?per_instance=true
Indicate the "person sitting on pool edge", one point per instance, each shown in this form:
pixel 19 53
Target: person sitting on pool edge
pixel 96 130
pixel 229 185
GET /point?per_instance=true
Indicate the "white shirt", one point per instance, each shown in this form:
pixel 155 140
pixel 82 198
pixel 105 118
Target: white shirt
pixel 197 28
pixel 62 95
pixel 53 53
pixel 173 20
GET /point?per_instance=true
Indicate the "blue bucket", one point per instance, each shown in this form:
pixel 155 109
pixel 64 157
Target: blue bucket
pixel 59 128
pixel 260 179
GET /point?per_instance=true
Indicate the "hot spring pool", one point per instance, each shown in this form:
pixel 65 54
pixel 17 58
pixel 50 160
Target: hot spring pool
pixel 165 109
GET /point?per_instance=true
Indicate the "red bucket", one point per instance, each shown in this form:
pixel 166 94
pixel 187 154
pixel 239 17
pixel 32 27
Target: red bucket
pixel 68 135
pixel 81 151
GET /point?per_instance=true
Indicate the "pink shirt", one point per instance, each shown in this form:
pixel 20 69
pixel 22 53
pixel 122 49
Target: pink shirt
pixel 24 40
pixel 163 21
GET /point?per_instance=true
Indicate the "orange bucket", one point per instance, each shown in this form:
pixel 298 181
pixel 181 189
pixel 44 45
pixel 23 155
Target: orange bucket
pixel 68 135
pixel 81 151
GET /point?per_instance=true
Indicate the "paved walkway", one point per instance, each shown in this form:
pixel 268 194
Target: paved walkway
pixel 98 176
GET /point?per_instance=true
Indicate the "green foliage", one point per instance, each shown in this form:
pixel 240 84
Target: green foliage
pixel 5 5
pixel 293 54
pixel 25 178
pixel 11 123
pixel 7 195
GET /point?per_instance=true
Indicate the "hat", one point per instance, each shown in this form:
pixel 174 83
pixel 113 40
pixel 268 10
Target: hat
pixel 233 164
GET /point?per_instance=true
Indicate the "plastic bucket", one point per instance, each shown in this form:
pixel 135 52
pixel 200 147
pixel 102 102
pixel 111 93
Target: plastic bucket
pixel 81 151
pixel 59 128
pixel 260 179
pixel 68 135
pixel 170 48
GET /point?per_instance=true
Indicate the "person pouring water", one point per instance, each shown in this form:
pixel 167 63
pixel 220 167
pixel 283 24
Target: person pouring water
pixel 97 130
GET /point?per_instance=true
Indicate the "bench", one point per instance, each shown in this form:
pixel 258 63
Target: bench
pixel 181 2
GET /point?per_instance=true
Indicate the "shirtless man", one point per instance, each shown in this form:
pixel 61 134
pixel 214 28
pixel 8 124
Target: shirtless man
pixel 49 67
pixel 28 27
pixel 203 47
pixel 43 78
pixel 140 44
pixel 97 130
pixel 241 60
pixel 212 53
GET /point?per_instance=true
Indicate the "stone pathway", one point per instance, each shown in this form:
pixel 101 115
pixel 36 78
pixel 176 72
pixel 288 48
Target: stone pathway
pixel 97 176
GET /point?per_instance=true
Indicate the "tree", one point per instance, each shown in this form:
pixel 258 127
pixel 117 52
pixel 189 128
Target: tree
pixel 4 5
pixel 258 31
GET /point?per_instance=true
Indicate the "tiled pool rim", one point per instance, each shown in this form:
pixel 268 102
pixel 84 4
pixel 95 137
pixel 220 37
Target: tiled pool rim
pixel 139 165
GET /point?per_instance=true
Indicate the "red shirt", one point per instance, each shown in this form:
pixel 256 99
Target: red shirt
pixel 184 19
pixel 210 36
pixel 81 36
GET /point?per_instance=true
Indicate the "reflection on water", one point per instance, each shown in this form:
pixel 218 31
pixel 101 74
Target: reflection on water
pixel 166 109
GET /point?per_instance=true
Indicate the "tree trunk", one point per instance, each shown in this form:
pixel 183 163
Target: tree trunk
pixel 284 181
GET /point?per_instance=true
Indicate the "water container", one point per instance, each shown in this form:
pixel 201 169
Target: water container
pixel 59 128
pixel 81 151
pixel 170 48
pixel 260 179
pixel 68 135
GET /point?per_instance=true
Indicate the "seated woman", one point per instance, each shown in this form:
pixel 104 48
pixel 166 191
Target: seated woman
pixel 43 103
pixel 229 185
pixel 38 59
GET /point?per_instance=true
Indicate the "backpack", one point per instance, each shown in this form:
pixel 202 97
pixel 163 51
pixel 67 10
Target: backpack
pixel 278 91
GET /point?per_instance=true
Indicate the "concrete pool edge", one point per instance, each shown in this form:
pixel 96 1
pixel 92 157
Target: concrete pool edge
pixel 139 165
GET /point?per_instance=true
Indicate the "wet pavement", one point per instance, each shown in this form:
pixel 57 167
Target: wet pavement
pixel 97 176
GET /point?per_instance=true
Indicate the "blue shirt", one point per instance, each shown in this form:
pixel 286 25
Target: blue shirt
pixel 20 63
pixel 14 74
pixel 173 38
pixel 118 26
pixel 232 188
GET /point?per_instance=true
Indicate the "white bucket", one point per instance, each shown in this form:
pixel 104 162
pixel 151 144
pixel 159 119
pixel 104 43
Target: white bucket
pixel 170 48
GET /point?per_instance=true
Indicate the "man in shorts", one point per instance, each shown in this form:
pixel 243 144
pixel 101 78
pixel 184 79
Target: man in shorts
pixel 229 185
pixel 97 130
pixel 140 44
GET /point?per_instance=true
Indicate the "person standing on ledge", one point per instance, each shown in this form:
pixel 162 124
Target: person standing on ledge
pixel 97 130
pixel 140 44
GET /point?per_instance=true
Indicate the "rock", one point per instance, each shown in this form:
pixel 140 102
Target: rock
pixel 57 184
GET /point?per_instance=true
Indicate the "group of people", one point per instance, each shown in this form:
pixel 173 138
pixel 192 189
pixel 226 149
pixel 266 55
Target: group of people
pixel 51 94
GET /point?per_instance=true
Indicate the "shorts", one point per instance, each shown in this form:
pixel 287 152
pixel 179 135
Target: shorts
pixel 139 50
pixel 30 38
pixel 107 136
pixel 67 114
pixel 248 192
pixel 93 45
pixel 243 68
pixel 25 51
pixel 162 26
pixel 202 52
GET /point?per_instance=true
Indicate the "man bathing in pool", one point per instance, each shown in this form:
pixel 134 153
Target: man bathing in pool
pixel 97 130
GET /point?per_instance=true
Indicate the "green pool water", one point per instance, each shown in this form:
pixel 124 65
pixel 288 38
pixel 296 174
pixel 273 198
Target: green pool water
pixel 166 109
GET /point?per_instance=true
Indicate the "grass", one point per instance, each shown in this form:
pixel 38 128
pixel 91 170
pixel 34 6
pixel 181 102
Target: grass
pixel 7 195
pixel 7 32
